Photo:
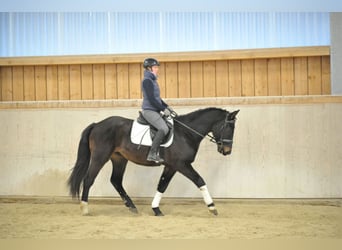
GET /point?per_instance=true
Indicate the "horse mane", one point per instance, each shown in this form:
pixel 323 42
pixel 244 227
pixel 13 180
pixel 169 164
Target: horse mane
pixel 195 114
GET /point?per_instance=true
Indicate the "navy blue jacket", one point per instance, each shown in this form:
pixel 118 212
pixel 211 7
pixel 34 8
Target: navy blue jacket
pixel 151 93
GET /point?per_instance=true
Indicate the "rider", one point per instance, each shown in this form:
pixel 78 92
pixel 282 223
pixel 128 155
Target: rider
pixel 152 106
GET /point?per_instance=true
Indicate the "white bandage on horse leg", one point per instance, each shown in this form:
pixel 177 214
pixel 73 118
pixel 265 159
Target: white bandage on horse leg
pixel 84 208
pixel 156 199
pixel 206 196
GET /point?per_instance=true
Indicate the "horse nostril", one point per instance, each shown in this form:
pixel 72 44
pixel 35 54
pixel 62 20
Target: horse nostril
pixel 227 150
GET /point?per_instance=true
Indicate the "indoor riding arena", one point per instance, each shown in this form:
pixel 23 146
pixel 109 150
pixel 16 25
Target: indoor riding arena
pixel 283 179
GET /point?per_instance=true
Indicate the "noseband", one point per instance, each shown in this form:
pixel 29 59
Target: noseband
pixel 223 141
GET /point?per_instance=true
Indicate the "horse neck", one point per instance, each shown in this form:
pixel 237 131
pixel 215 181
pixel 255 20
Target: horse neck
pixel 205 120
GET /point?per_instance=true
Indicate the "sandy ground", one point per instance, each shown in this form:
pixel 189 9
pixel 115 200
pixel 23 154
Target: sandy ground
pixel 60 218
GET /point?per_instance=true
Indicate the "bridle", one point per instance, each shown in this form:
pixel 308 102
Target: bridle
pixel 223 141
pixel 219 142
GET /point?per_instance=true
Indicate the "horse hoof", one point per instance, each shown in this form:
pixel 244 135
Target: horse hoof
pixel 133 210
pixel 157 211
pixel 213 211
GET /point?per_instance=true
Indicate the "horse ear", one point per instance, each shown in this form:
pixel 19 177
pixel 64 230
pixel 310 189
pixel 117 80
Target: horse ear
pixel 233 114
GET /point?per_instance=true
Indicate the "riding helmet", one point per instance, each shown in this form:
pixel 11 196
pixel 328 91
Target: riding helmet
pixel 149 62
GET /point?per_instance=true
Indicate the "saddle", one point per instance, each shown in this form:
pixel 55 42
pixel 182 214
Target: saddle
pixel 142 132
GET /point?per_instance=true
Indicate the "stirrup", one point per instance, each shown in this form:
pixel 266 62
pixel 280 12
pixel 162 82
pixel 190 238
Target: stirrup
pixel 156 159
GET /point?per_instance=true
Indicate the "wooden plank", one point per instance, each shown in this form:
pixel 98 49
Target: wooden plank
pixel 171 80
pixel 247 80
pixel 170 56
pixel 222 79
pixel 110 82
pixel 63 82
pixel 209 79
pixel 6 84
pixel 123 81
pixel 301 75
pixel 162 80
pixel 203 102
pixel 98 81
pixel 75 82
pixel 196 72
pixel 235 78
pixel 135 77
pixel 184 90
pixel 314 75
pixel 87 82
pixel 40 82
pixel 51 82
pixel 326 76
pixel 274 77
pixel 18 83
pixel 29 86
pixel 287 76
pixel 261 84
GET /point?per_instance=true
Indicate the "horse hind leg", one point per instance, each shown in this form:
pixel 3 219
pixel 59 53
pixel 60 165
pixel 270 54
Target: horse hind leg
pixel 119 167
pixel 97 161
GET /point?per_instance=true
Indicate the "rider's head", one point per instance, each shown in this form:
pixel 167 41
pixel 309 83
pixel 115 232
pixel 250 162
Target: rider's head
pixel 151 64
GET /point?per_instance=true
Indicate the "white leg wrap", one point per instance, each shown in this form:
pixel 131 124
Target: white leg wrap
pixel 206 196
pixel 84 208
pixel 156 199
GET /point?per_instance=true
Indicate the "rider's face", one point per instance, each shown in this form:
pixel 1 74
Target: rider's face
pixel 155 69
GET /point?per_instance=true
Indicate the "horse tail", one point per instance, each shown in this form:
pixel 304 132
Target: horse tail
pixel 82 163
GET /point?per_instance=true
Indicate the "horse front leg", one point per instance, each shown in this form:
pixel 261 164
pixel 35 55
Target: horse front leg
pixel 164 181
pixel 189 172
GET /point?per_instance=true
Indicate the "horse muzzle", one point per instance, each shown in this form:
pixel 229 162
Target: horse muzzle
pixel 224 146
pixel 225 150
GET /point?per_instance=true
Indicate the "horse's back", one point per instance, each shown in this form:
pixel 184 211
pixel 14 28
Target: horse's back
pixel 116 121
pixel 111 126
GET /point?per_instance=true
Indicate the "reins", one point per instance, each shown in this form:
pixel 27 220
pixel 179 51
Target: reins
pixel 212 138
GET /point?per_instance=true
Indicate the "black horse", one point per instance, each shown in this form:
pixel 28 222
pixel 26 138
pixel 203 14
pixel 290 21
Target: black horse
pixel 109 139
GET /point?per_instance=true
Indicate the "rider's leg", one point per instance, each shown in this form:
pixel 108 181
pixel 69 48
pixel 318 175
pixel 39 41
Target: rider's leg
pixel 155 119
pixel 153 155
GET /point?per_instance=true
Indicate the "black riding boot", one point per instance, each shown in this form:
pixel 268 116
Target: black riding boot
pixel 153 155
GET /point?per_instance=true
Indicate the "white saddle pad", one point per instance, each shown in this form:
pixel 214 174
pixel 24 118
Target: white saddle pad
pixel 140 134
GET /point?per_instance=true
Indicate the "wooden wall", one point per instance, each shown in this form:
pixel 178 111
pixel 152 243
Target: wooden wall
pixel 260 72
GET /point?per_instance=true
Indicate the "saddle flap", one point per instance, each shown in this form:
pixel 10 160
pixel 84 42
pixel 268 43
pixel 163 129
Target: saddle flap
pixel 142 132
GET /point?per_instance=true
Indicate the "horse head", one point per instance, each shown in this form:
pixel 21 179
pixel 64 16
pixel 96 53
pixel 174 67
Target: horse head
pixel 223 132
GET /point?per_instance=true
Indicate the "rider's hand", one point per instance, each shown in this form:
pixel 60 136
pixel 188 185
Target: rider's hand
pixel 167 112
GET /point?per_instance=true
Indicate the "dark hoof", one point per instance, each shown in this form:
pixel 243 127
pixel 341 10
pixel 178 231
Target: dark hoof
pixel 157 211
pixel 213 211
pixel 133 210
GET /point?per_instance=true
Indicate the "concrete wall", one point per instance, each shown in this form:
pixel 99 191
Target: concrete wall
pixel 336 52
pixel 280 151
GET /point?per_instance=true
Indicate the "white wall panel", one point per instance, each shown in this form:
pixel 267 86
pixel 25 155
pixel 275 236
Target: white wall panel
pixel 280 151
pixel 68 33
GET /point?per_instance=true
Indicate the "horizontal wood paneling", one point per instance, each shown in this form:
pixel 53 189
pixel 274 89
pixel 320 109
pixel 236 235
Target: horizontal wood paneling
pixel 214 75
pixel 195 102
pixel 169 56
